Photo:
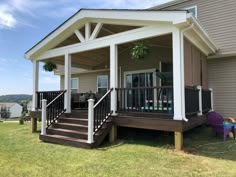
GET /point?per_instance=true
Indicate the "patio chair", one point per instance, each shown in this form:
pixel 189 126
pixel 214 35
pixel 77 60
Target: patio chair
pixel 216 121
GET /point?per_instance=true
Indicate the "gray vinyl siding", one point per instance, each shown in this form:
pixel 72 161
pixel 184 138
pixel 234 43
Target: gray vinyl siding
pixel 218 18
pixel 222 78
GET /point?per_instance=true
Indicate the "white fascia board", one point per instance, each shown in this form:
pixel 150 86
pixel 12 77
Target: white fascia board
pixel 202 33
pixel 120 38
pixel 157 16
pixel 110 16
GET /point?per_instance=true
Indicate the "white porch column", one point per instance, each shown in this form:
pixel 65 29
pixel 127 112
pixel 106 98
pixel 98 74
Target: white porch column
pixel 67 87
pixel 113 76
pixel 35 83
pixel 178 75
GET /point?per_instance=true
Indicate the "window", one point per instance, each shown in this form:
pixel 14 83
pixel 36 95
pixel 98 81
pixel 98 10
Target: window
pixel 102 84
pixel 74 85
pixel 192 10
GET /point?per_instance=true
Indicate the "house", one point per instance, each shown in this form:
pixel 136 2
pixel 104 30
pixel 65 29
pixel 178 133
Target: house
pixel 168 90
pixel 11 110
pixel 29 106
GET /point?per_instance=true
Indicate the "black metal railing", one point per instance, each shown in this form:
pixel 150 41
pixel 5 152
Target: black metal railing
pixel 102 111
pixel 47 95
pixel 206 100
pixel 145 99
pixel 191 100
pixel 55 108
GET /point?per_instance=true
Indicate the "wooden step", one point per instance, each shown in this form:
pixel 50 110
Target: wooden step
pixel 69 133
pixel 73 120
pixel 71 126
pixel 64 140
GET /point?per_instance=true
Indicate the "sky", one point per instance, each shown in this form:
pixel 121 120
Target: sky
pixel 25 22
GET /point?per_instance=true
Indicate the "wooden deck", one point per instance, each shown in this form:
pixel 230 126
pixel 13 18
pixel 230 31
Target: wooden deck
pixel 155 121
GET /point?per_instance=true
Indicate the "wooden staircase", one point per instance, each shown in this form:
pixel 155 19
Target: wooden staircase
pixel 72 129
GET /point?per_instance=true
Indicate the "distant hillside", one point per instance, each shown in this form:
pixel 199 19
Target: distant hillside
pixel 15 98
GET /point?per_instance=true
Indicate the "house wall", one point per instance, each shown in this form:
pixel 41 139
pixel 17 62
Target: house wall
pixel 218 19
pixel 15 110
pixel 87 81
pixel 195 66
pixel 222 78
pixel 157 55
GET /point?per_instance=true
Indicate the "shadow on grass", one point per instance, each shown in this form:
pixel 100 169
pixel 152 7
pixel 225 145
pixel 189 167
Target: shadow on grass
pixel 200 141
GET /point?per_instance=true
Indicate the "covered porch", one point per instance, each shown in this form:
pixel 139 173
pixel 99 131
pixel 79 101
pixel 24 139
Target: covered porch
pixel 158 88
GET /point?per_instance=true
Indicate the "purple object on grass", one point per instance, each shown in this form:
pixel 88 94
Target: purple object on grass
pixel 216 121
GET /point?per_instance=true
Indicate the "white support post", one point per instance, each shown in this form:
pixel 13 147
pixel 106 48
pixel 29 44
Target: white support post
pixel 44 117
pixel 67 79
pixel 90 120
pixel 87 31
pixel 35 83
pixel 96 31
pixel 200 100
pixel 113 76
pixel 212 105
pixel 79 35
pixel 178 75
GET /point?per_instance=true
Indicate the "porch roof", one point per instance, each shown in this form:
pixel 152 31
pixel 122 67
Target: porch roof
pixel 139 18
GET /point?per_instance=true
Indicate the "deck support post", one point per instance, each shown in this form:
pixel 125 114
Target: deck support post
pixel 44 117
pixel 178 75
pixel 90 121
pixel 113 134
pixel 200 100
pixel 178 140
pixel 113 76
pixel 35 84
pixel 33 124
pixel 67 102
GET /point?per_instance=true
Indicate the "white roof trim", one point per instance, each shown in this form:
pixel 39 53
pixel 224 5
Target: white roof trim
pixel 132 17
pixel 203 34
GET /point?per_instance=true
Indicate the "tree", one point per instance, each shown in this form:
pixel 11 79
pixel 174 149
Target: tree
pixel 24 104
pixel 5 112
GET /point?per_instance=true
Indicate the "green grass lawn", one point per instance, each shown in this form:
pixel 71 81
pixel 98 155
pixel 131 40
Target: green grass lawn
pixel 23 155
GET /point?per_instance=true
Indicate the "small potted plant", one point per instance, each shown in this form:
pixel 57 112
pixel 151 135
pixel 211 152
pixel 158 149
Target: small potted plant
pixel 139 51
pixel 49 66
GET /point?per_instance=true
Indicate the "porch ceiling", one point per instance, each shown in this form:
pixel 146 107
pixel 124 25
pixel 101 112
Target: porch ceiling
pixel 100 57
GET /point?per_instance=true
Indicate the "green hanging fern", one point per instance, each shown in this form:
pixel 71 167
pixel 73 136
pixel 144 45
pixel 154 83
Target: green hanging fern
pixel 49 66
pixel 139 51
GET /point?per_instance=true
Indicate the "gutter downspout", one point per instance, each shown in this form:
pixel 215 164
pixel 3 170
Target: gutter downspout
pixel 182 31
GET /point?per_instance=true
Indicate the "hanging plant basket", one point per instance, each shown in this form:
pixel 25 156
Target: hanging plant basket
pixel 140 51
pixel 49 66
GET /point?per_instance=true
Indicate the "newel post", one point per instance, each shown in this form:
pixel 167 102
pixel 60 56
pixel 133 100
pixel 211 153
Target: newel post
pixel 212 105
pixel 44 117
pixel 90 120
pixel 200 99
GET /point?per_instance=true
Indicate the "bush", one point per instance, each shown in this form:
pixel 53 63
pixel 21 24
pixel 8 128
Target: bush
pixel 21 121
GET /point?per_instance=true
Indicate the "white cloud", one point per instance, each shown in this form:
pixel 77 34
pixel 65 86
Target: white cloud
pixel 7 20
pixel 13 12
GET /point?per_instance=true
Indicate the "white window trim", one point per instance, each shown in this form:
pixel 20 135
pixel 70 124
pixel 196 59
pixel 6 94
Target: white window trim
pixel 106 78
pixel 191 7
pixel 75 78
pixel 153 70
